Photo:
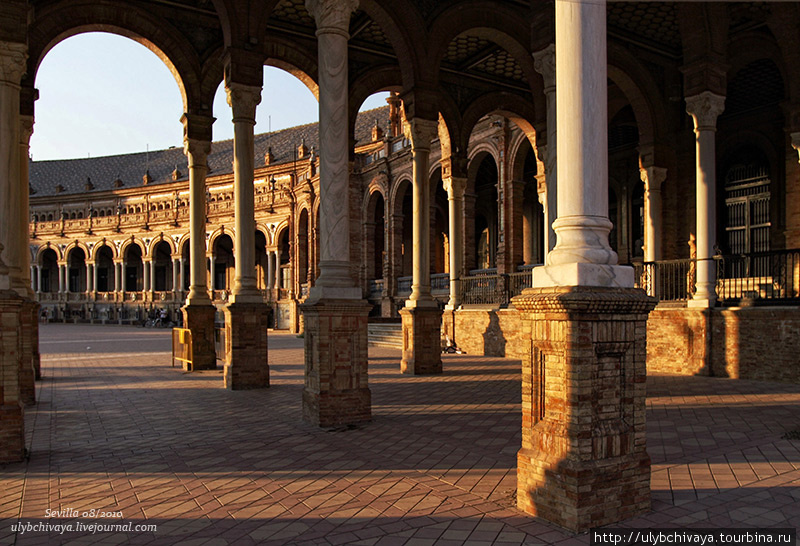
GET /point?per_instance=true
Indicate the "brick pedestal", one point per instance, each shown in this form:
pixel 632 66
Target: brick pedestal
pixel 583 461
pixel 29 363
pixel 422 345
pixel 200 320
pixel 246 346
pixel 336 384
pixel 12 425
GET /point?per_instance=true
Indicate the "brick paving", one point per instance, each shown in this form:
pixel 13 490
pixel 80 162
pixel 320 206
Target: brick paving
pixel 117 429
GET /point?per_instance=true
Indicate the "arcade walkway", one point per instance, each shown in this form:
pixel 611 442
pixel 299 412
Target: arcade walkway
pixel 118 430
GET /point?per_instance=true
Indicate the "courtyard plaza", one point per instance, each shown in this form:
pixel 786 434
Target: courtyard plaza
pixel 117 429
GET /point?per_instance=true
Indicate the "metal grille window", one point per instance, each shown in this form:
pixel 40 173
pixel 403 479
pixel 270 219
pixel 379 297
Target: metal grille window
pixel 747 194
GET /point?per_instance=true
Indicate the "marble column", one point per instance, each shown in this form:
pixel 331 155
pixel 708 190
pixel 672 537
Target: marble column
pixel 455 200
pixel 336 388
pixel 29 328
pixel 12 67
pixel 243 100
pixel 198 313
pixel 89 277
pixel 39 279
pixel 62 288
pixel 148 270
pixel 270 270
pixel 118 276
pixel 704 108
pixel 94 276
pixel 421 317
pixel 176 276
pixel 652 178
pixel 583 461
pixel 544 62
pixel 246 315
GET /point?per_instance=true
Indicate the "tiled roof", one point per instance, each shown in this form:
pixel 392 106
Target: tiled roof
pixel 72 174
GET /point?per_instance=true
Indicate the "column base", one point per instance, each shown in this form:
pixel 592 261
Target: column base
pixel 200 320
pixel 336 389
pixel 422 342
pixel 29 365
pixel 246 364
pixel 583 461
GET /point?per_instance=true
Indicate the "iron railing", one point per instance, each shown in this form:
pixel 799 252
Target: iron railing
pixel 440 283
pixel 666 280
pixel 772 277
pixel 403 286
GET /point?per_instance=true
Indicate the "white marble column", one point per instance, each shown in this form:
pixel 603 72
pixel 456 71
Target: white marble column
pixel 243 100
pixel 62 288
pixel 176 275
pixel 455 200
pixel 123 277
pixel 38 278
pixel 652 178
pixel 423 132
pixel 118 277
pixel 94 277
pixel 212 269
pixel 333 21
pixel 182 274
pixel 148 268
pixel 270 270
pixel 582 255
pixel 544 62
pixel 153 275
pixel 704 109
pixel 25 132
pixel 89 277
pixel 12 67
pixel 33 278
pixel 197 154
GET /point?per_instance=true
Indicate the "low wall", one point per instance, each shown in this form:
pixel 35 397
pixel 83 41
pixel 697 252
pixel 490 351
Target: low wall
pixel 488 332
pixel 761 343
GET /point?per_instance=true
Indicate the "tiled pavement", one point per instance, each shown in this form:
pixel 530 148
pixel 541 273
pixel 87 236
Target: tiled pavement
pixel 117 429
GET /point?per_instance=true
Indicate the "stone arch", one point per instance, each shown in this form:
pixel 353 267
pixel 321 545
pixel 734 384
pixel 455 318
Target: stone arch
pixel 60 21
pixel 100 244
pixel 405 30
pixel 77 245
pixel 161 238
pixel 217 233
pixel 44 248
pixel 123 248
pixel 398 191
pixel 383 78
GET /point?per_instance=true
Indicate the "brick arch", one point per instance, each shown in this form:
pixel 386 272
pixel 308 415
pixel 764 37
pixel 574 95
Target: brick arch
pixel 509 105
pixel 642 93
pixel 382 78
pixel 405 30
pixel 77 245
pixel 370 196
pixel 496 22
pixel 517 158
pixel 475 158
pixel 57 22
pixel 397 192
pixel 217 233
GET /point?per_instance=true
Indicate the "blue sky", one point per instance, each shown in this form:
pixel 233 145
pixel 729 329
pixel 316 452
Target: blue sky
pixel 102 94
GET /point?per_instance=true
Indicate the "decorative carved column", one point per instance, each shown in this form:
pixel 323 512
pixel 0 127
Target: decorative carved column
pixel 198 313
pixel 704 109
pixel 29 312
pixel 455 188
pixel 652 178
pixel 422 319
pixel 12 421
pixel 583 461
pixel 335 317
pixel 544 62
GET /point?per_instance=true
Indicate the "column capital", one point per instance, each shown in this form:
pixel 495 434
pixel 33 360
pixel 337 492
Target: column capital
pixel 197 151
pixel 243 99
pixel 652 177
pixel 13 57
pixel 332 15
pixel 704 108
pixel 454 186
pixel 25 130
pixel 544 62
pixel 796 141
pixel 422 132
